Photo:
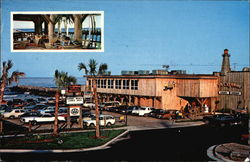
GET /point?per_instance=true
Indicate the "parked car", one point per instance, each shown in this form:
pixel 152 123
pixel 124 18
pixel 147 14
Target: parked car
pixel 42 118
pixel 123 109
pixel 105 120
pixel 169 114
pixel 50 109
pixel 16 113
pixel 89 105
pixel 107 105
pixel 142 111
pixel 17 101
pixel 118 108
pixel 222 120
pixel 27 114
pixel 87 115
pixel 30 101
pixel 36 107
pixel 132 108
pixel 155 112
pixel 51 101
pixel 42 100
pixel 3 108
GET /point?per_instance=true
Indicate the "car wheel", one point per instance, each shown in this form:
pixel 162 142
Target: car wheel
pixel 12 117
pixel 222 124
pixel 92 125
pixel 206 122
pixel 33 122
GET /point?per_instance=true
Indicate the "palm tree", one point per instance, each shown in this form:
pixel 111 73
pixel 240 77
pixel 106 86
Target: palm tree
pixel 15 77
pixel 62 81
pixel 66 19
pixel 92 70
pixel 4 77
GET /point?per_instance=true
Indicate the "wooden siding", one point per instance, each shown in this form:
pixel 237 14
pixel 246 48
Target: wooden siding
pixel 230 83
pixel 170 89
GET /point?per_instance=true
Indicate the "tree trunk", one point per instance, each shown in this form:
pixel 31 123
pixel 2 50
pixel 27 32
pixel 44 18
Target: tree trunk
pixel 96 110
pixel 3 85
pixel 80 118
pixel 55 132
pixel 78 28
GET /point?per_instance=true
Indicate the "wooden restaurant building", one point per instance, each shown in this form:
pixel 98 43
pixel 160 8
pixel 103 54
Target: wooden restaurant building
pixel 176 89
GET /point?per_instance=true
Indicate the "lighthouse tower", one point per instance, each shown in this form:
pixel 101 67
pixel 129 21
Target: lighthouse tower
pixel 225 67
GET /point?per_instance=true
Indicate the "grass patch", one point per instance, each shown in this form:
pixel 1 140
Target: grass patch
pixel 64 141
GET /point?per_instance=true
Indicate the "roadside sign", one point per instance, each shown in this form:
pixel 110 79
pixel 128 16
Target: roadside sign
pixel 74 88
pixel 74 100
pixel 74 111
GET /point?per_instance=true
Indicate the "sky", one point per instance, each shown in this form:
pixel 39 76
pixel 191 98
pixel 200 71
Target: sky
pixel 143 35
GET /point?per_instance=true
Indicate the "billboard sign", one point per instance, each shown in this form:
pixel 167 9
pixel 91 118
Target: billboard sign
pixel 74 111
pixel 74 100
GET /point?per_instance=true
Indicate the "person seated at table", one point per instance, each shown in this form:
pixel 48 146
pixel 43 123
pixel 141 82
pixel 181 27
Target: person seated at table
pixel 66 41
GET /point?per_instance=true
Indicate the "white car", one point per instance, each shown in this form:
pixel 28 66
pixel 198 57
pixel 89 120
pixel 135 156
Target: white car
pixel 89 105
pixel 142 111
pixel 105 120
pixel 16 113
pixel 42 118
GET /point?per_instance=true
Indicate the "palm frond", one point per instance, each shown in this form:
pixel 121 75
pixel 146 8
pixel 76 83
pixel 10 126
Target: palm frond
pixel 92 65
pixel 9 65
pixel 82 66
pixel 102 69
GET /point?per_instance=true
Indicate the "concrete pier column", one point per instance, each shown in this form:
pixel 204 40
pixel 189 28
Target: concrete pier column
pixel 38 25
pixel 51 27
pixel 77 27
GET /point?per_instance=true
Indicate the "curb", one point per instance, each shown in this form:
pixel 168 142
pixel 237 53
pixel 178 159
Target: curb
pixel 102 147
pixel 210 153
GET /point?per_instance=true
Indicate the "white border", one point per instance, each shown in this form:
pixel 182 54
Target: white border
pixel 58 12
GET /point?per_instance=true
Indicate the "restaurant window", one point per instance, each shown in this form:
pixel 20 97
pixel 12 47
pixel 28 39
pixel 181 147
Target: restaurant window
pixel 104 85
pixel 110 83
pixel 101 83
pixel 90 85
pixel 134 84
pixel 118 84
pixel 125 84
pixel 98 83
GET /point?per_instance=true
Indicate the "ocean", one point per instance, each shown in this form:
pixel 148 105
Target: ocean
pixel 43 81
pixel 63 30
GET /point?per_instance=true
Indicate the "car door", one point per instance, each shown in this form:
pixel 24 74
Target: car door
pixel 48 118
pixel 17 113
pixel 101 120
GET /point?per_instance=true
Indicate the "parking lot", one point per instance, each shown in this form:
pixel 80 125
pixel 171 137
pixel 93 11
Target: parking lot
pixel 134 122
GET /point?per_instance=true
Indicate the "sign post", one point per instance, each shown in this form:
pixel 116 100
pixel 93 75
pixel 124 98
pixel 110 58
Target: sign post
pixel 75 109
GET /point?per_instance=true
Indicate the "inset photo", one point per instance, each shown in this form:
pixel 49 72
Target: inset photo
pixel 64 31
